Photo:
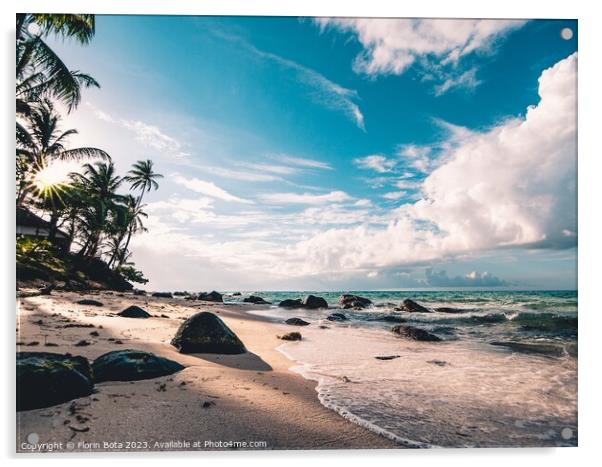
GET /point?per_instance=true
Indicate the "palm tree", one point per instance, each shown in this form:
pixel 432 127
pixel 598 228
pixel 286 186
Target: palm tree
pixel 143 178
pixel 40 142
pixel 40 71
pixel 128 222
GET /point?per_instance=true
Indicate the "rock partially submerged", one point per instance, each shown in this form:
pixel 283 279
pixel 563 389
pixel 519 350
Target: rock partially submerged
pixel 412 307
pixel 296 322
pixel 543 348
pixel 446 309
pixel 390 319
pixel 313 302
pixel 162 294
pixel 415 333
pixel 212 296
pixel 132 365
pixel 354 301
pixel 290 303
pixel 256 300
pixel 337 317
pixel 205 332
pixel 291 336
pixel 87 301
pixel 45 379
pixel 134 311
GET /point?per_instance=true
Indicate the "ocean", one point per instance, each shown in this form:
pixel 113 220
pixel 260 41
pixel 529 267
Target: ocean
pixel 504 374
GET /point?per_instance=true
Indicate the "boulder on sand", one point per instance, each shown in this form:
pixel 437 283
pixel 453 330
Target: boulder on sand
pixel 296 322
pixel 413 307
pixel 415 333
pixel 256 300
pixel 290 303
pixel 313 302
pixel 87 301
pixel 205 332
pixel 45 379
pixel 132 365
pixel 337 317
pixel 291 336
pixel 134 311
pixel 211 297
pixel 353 301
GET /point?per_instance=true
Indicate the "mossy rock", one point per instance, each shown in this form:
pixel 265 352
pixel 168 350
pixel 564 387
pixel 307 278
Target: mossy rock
pixel 132 365
pixel 205 332
pixel 45 379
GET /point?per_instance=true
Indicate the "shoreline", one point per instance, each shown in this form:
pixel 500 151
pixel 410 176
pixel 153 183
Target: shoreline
pixel 217 399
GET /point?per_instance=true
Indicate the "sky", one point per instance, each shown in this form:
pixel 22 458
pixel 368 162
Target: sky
pixel 341 153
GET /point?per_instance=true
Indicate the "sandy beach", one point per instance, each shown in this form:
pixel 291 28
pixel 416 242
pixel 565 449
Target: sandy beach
pixel 251 398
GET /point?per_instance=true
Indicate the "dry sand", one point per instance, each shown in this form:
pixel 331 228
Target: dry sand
pixel 252 397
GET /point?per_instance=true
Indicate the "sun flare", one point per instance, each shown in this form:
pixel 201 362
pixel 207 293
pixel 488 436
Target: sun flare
pixel 53 175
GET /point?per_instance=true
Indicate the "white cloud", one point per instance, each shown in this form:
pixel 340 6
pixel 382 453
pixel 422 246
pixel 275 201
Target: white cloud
pixel 301 162
pixel 391 46
pixel 394 195
pixel 207 188
pixel 513 185
pixel 270 168
pixel 375 162
pixel 472 279
pixel 305 198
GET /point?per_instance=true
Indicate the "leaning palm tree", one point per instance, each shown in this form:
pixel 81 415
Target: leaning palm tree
pixel 40 141
pixel 128 222
pixel 40 71
pixel 142 177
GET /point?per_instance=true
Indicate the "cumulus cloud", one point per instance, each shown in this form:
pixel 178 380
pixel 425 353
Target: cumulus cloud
pixel 207 189
pixel 391 46
pixel 305 198
pixel 472 279
pixel 512 185
pixel 375 162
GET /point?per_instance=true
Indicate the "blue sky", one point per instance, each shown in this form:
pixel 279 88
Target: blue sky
pixel 335 154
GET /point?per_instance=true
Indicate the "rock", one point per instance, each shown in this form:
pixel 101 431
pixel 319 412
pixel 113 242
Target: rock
pixel 236 294
pixel 87 301
pixel 45 379
pixel 337 317
pixel 139 292
pixel 313 302
pixel 134 311
pixel 413 307
pixel 181 294
pixel 162 295
pixel 132 365
pixel 291 336
pixel 290 303
pixel 82 343
pixel 390 319
pixel 205 332
pixel 437 362
pixel 354 301
pixel 387 357
pixel 555 350
pixel 211 297
pixel 47 289
pixel 445 309
pixel 256 300
pixel 296 322
pixel 415 333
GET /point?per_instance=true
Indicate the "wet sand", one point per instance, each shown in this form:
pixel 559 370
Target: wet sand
pixel 216 402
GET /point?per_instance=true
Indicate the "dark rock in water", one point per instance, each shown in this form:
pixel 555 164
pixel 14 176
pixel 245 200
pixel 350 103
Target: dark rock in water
pixel 296 322
pixel 139 292
pixel 45 379
pixel 354 301
pixel 555 350
pixel 134 312
pixel 337 317
pixel 47 289
pixel 87 301
pixel 162 294
pixel 211 297
pixel 290 303
pixel 390 319
pixel 132 365
pixel 387 357
pixel 413 307
pixel 313 302
pixel 415 333
pixel 291 336
pixel 445 309
pixel 256 300
pixel 236 294
pixel 181 293
pixel 205 332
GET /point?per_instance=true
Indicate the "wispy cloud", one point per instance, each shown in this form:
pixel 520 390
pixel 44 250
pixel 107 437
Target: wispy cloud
pixel 305 198
pixel 375 162
pixel 207 189
pixel 301 162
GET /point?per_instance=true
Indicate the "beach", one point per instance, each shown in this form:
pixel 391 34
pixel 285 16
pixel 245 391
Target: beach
pixel 216 402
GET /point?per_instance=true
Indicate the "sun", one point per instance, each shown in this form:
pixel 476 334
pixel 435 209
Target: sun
pixel 53 176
